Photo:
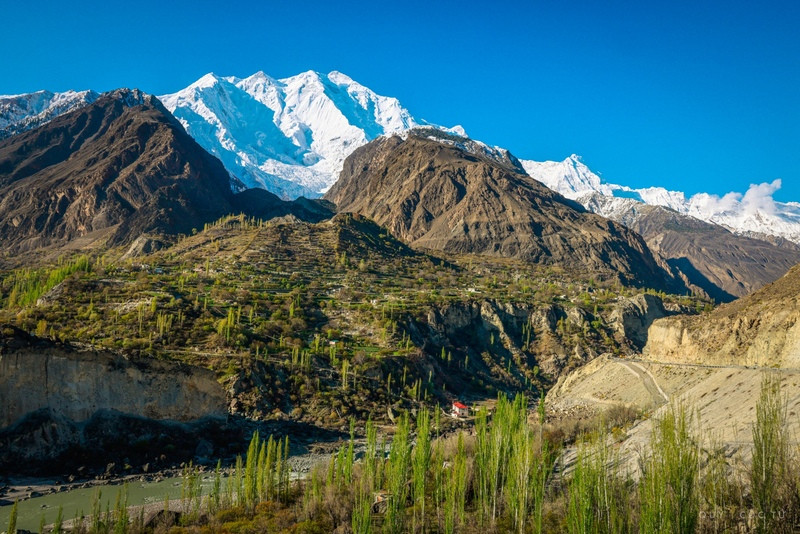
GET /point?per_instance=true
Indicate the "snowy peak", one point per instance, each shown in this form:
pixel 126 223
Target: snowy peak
pixel 19 113
pixel 570 177
pixel 753 213
pixel 291 135
pixel 208 80
pixel 129 97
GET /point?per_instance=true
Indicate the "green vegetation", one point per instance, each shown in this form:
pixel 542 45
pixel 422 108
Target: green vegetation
pixel 339 323
pixel 669 485
pixel 773 478
pixel 507 476
pixel 12 520
pixel 26 285
pixel 336 320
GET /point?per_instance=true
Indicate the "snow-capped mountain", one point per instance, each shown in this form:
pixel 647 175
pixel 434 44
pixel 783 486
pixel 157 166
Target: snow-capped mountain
pixel 19 113
pixel 754 213
pixel 289 136
pixel 292 135
pixel 570 177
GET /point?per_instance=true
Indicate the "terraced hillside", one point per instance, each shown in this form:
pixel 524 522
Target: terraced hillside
pixel 317 322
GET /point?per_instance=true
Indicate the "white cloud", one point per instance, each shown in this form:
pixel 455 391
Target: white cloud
pixel 758 198
pixel 706 203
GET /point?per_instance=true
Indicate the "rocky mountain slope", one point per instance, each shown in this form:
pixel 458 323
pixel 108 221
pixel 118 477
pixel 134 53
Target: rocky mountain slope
pixel 289 136
pixel 761 329
pixel 752 214
pixel 111 171
pixel 20 113
pixel 437 196
pixel 119 167
pixel 723 264
pixel 714 362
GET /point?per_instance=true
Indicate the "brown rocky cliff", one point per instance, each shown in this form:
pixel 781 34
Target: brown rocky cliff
pixel 633 317
pixel 122 165
pixel 437 196
pixel 761 329
pixel 37 374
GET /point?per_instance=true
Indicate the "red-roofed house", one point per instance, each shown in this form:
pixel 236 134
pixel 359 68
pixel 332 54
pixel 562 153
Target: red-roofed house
pixel 460 410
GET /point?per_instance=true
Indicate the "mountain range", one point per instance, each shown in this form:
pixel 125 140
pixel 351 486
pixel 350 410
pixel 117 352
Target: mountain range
pixel 111 171
pixel 754 214
pixel 292 135
pixel 439 196
pixel 723 264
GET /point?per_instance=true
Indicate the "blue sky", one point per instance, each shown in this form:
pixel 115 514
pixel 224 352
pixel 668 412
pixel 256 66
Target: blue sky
pixel 695 96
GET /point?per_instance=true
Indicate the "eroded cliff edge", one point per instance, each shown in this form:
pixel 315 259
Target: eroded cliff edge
pixel 75 384
pixel 63 408
pixel 762 329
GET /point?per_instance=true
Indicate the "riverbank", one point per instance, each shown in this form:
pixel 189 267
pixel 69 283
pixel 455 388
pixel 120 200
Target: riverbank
pixel 146 492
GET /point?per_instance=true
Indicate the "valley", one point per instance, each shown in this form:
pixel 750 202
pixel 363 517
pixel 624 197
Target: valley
pixel 163 305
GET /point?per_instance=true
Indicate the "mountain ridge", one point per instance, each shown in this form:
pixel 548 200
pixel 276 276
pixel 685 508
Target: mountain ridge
pixel 19 113
pixel 723 264
pixel 749 215
pixel 438 196
pixel 112 171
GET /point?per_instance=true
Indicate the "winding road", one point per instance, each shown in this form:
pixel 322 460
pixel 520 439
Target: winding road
pixel 647 378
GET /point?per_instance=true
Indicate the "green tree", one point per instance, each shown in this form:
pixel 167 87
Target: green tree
pixel 12 519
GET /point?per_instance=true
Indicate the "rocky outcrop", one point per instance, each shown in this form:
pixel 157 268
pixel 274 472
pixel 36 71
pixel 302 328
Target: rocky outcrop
pixel 764 340
pixel 632 317
pixel 762 329
pixel 39 375
pixel 541 335
pixel 478 322
pixel 438 196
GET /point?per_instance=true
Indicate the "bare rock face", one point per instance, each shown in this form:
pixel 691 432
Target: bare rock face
pixel 479 321
pixel 62 408
pixel 36 375
pixel 438 196
pixel 761 329
pixel 632 317
pixel 536 334
pixel 142 246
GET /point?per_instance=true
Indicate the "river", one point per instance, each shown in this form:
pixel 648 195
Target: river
pixel 78 502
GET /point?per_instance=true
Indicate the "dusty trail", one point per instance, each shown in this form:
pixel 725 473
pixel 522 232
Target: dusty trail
pixel 648 380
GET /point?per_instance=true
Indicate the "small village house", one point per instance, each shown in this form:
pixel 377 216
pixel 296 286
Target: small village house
pixel 460 410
